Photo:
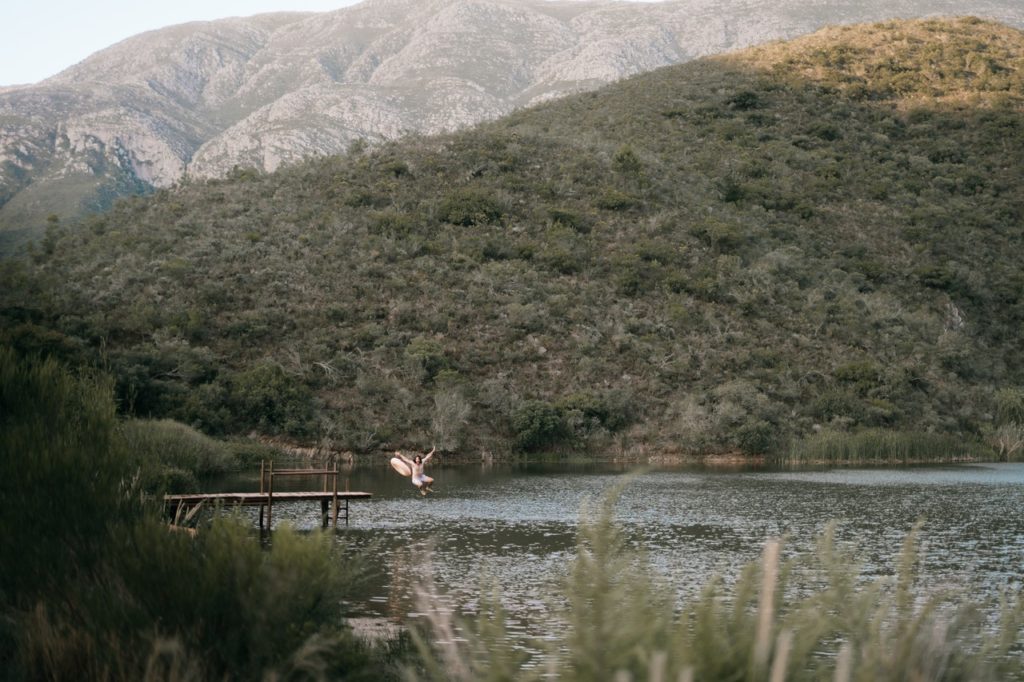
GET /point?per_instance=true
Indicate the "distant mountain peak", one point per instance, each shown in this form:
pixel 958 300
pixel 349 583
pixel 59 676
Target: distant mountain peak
pixel 199 99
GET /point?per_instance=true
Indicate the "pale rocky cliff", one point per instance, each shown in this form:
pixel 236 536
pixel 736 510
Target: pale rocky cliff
pixel 202 98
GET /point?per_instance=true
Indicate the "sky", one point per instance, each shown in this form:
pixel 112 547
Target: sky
pixel 39 38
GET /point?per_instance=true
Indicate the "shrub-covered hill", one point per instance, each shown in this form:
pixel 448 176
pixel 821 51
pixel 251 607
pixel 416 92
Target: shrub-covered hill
pixel 721 255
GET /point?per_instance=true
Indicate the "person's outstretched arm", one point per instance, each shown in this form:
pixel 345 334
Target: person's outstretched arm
pixel 403 458
pixel 429 455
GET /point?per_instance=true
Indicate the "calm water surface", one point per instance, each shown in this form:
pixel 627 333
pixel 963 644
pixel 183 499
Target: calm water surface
pixel 518 526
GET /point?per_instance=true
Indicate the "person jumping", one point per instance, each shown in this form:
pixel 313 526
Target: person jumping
pixel 419 479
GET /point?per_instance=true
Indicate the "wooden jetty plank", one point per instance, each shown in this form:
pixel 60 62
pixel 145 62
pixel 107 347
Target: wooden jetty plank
pixel 263 498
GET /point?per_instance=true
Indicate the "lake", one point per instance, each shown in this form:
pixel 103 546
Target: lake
pixel 516 525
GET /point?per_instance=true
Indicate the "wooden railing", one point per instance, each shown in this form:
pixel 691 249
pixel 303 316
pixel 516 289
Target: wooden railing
pixel 184 508
pixel 267 475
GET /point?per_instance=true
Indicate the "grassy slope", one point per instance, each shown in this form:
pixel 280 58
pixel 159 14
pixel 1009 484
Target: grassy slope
pixel 715 255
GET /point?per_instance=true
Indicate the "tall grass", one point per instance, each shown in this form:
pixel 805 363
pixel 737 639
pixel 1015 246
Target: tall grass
pixel 884 447
pixel 172 456
pixel 63 475
pixel 177 445
pixel 808 617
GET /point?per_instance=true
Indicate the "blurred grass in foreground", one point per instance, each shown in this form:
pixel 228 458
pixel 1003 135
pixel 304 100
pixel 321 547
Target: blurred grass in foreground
pixel 810 617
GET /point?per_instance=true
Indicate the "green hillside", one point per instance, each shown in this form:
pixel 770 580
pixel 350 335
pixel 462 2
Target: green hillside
pixel 719 256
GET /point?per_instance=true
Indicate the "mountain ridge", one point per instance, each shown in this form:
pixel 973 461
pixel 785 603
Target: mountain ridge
pixel 202 98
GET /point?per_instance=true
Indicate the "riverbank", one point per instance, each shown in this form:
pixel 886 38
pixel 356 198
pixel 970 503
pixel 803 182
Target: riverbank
pixel 868 448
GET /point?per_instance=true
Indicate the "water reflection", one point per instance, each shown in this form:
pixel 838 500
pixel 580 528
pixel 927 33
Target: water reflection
pixel 517 526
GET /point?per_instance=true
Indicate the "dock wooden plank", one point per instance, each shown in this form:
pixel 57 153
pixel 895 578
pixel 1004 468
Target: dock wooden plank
pixel 263 498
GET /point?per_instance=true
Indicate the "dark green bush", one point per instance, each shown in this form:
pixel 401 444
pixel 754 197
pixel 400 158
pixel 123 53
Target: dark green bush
pixel 570 219
pixel 265 397
pixel 428 356
pixel 169 452
pixel 536 425
pixel 1010 406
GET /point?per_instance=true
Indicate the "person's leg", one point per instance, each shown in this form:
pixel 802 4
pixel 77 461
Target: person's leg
pixel 428 481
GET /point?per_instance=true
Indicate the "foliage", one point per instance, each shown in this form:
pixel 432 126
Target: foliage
pixel 829 228
pixel 171 455
pixel 536 425
pixel 267 399
pixel 59 436
pixel 94 586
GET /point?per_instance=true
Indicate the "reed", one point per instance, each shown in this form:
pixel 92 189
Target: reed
pixel 172 456
pixel 172 443
pixel 876 446
pixel 805 617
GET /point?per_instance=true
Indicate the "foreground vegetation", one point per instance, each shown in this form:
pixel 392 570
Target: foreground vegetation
pixel 786 618
pixel 720 256
pixel 93 586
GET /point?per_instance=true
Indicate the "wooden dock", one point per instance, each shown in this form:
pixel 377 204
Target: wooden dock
pixel 184 508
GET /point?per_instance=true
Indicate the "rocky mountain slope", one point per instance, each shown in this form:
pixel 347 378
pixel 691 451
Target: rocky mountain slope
pixel 729 254
pixel 202 98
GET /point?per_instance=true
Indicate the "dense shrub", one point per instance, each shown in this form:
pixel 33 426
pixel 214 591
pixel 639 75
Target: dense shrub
pixel 266 398
pixel 59 437
pixel 171 455
pixel 536 425
pixel 470 206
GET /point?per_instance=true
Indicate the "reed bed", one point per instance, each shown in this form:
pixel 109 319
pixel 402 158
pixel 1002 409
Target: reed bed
pixel 877 446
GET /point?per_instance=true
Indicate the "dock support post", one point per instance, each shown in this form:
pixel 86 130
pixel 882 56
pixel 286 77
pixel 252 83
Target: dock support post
pixel 270 498
pixel 336 494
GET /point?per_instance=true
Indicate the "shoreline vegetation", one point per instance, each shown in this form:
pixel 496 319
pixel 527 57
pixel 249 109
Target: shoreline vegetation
pixel 106 592
pixel 174 457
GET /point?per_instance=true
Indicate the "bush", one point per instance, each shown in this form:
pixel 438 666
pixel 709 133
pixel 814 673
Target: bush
pixel 427 356
pixel 264 397
pixel 612 199
pixel 217 606
pixel 536 425
pixel 570 219
pixel 1010 406
pixel 470 206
